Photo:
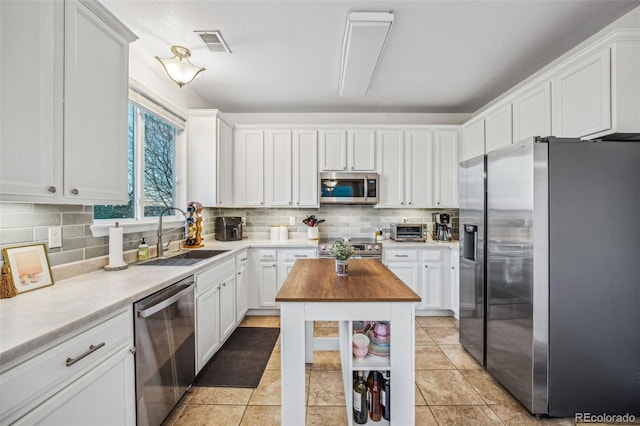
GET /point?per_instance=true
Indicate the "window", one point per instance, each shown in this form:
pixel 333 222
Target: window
pixel 151 183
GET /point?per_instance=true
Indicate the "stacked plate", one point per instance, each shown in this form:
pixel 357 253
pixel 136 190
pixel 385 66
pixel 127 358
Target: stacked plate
pixel 380 340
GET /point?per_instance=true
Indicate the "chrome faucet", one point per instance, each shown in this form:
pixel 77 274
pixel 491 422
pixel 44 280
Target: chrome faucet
pixel 186 231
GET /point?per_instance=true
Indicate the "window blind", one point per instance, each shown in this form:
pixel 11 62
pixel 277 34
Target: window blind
pixel 153 106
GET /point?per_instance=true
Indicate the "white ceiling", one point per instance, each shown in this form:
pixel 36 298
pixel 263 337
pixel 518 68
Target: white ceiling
pixel 441 56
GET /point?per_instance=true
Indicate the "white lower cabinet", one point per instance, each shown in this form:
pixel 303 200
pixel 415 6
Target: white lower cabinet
pixel 86 379
pixel 287 258
pixel 215 309
pixel 241 285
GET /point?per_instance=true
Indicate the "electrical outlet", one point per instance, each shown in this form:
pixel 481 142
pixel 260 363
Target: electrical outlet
pixel 292 220
pixel 55 237
pixel 405 220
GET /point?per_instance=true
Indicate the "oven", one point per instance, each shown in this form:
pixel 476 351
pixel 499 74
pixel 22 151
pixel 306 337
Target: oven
pixel 367 249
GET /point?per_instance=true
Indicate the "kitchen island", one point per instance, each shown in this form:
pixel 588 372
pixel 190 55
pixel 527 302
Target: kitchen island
pixel 313 292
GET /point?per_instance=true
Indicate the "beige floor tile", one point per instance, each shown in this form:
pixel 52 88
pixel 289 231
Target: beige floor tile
pixel 419 398
pixel 326 416
pixel 490 390
pixel 174 414
pixel 261 415
pixel 423 338
pixel 516 414
pixel 260 321
pixel 432 358
pixel 444 335
pixel 326 389
pixel 424 417
pixel 464 415
pixel 211 415
pixel 268 390
pixel 326 332
pixel 274 361
pixel 222 395
pixel 460 357
pixel 446 387
pixel 428 322
pixel 327 361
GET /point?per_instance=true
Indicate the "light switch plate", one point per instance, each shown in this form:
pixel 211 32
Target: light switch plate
pixel 55 237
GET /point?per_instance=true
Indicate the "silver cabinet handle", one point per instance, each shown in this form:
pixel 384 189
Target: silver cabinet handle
pixel 52 189
pixel 70 361
pixel 273 266
pixel 410 203
pixel 426 266
pixel 401 255
pixel 243 259
pixel 298 203
pixel 299 255
pixel 74 191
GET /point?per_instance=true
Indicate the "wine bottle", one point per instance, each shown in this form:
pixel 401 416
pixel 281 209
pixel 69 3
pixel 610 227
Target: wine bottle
pixel 385 397
pixel 360 400
pixel 369 384
pixel 375 412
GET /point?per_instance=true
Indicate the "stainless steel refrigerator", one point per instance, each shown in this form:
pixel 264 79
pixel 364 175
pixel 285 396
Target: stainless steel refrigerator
pixel 472 282
pixel 563 275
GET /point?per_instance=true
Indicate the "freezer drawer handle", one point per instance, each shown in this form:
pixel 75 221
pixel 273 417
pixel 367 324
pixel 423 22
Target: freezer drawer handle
pixel 92 349
pixel 163 304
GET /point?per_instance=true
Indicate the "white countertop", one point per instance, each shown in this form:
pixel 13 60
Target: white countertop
pixel 32 322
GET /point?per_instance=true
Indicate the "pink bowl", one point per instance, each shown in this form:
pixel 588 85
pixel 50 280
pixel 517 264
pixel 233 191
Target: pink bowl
pixel 360 352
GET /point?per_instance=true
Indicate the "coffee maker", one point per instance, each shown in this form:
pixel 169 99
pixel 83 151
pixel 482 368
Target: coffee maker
pixel 228 228
pixel 441 227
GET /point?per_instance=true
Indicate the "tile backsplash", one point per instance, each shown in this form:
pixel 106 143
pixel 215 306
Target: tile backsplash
pixel 23 223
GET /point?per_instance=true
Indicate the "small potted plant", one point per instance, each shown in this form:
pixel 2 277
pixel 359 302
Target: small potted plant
pixel 342 252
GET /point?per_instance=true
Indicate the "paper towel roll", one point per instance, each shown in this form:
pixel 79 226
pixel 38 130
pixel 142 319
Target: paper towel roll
pixel 115 247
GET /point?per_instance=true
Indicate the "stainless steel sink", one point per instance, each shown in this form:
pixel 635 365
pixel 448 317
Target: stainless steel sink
pixel 185 258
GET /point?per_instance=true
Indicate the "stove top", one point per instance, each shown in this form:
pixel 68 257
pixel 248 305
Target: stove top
pixel 367 247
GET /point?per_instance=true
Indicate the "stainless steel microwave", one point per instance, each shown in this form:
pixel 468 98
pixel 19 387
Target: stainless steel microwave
pixel 349 188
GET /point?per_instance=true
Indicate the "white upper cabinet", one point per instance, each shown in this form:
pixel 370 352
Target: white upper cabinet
pixel 72 146
pixel 305 168
pixel 472 143
pixel 248 170
pixel 391 168
pixel 279 168
pixel 352 150
pixel 498 131
pixel 582 97
pixel 419 170
pixel 532 113
pixel 445 187
pixel 210 155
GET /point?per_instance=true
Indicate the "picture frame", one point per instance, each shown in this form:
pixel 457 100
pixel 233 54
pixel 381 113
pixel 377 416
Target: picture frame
pixel 29 267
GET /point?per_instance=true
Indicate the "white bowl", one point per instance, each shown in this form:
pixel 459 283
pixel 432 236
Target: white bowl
pixel 360 340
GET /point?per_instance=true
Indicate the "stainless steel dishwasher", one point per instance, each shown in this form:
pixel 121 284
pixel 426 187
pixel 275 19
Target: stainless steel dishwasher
pixel 165 350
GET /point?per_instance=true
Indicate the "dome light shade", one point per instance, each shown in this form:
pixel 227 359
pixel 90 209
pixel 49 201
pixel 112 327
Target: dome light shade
pixel 178 68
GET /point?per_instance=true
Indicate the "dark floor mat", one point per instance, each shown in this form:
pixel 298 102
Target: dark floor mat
pixel 241 360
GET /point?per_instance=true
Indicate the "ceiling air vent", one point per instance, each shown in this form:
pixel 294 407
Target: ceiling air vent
pixel 214 41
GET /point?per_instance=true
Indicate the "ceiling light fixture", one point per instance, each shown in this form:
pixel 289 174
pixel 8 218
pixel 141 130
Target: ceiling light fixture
pixel 178 68
pixel 364 38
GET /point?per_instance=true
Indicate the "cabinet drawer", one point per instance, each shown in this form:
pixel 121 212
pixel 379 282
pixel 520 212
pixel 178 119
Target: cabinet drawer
pixel 30 383
pixel 267 255
pixel 212 276
pixel 401 255
pixel 293 255
pixel 241 260
pixel 429 255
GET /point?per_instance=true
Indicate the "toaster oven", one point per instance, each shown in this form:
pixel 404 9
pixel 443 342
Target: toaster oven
pixel 409 232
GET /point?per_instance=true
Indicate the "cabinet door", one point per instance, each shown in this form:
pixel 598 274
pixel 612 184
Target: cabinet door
pixel 227 306
pixel 446 168
pixel 103 396
pixel 95 108
pixel 430 286
pixel 407 272
pixel 472 143
pixel 305 168
pixel 362 146
pixel 268 284
pixel 248 162
pixel 454 282
pixel 532 113
pixel 419 168
pixel 31 63
pixel 582 97
pixel 207 326
pixel 498 131
pixel 333 150
pixel 279 168
pixel 391 168
pixel 241 294
pixel 224 178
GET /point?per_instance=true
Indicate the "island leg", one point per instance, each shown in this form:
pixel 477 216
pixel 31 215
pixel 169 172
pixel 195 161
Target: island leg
pixel 292 365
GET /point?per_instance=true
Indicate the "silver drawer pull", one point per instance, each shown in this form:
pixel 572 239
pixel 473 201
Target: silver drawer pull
pixel 92 349
pixel 243 259
pixel 299 255
pixel 402 255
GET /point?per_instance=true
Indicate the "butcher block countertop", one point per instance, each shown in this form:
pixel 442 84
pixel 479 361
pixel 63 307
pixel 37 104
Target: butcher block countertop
pixel 315 280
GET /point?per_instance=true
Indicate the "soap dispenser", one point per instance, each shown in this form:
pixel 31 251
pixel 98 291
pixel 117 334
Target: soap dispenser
pixel 143 250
